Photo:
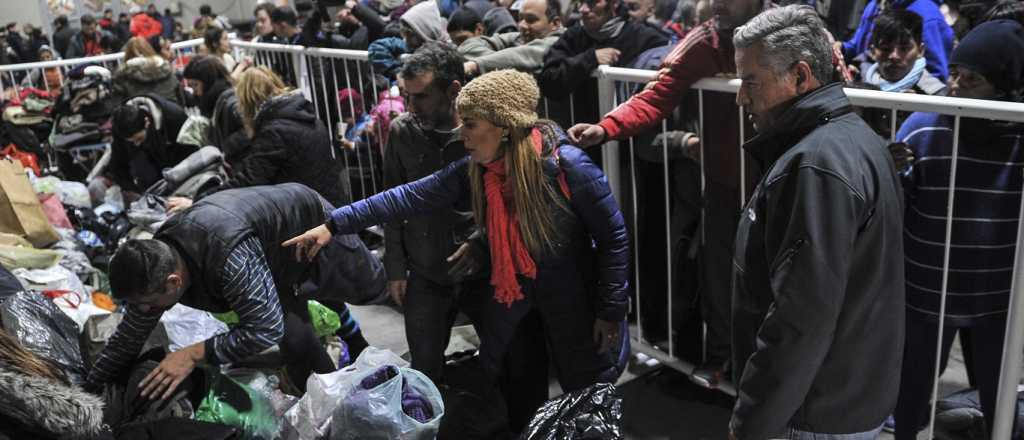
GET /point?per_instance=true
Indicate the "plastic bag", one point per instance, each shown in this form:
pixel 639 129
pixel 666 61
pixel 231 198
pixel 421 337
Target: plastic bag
pixel 44 330
pixel 74 194
pixel 46 185
pixel 310 418
pixel 594 412
pixel 388 403
pixel 325 321
pixel 231 403
pixel 15 257
pixel 54 211
pixel 267 385
pixel 186 326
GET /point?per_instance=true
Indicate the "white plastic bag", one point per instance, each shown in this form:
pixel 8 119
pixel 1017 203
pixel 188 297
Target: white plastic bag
pixel 310 419
pixel 387 403
pixel 74 194
pixel 186 326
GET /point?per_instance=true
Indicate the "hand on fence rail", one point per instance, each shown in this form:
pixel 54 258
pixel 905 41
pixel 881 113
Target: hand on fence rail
pixel 679 141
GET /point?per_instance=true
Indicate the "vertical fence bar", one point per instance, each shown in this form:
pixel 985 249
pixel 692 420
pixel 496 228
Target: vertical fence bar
pixel 344 154
pixel 945 272
pixel 369 149
pixel 610 152
pixel 359 160
pixel 703 182
pixel 636 242
pixel 892 126
pixel 668 242
pixel 323 86
pixel 1009 371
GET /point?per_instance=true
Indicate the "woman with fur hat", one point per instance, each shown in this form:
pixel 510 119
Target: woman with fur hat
pixel 558 246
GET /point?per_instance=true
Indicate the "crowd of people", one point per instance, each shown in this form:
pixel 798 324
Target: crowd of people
pixel 820 273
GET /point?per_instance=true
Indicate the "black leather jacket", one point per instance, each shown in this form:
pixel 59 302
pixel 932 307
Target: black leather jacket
pixel 818 294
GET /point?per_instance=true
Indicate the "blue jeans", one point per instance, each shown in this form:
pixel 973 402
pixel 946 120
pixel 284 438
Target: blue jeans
pixel 795 434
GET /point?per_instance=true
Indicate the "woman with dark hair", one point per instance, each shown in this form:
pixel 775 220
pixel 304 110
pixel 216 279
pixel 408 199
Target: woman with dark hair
pixel 145 141
pixel 559 251
pixel 162 46
pixel 218 45
pixel 213 86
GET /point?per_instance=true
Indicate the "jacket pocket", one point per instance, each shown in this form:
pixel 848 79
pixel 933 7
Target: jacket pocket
pixel 787 255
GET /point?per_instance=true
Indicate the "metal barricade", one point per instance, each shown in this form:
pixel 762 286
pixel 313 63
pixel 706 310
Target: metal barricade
pixel 894 103
pixel 19 76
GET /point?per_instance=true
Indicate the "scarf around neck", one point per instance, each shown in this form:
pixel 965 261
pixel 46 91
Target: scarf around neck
pixel 873 77
pixel 509 255
pixel 611 29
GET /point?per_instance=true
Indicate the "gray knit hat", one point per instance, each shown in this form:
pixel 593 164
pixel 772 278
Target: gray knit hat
pixel 506 98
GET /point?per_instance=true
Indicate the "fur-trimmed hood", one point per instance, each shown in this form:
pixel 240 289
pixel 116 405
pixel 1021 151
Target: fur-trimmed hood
pixel 66 411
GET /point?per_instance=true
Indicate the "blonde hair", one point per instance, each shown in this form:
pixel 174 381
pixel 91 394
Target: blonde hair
pixel 531 192
pixel 138 47
pixel 15 356
pixel 255 86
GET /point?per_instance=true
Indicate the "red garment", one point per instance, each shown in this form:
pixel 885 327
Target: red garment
pixel 701 54
pixel 509 255
pixel 92 46
pixel 145 26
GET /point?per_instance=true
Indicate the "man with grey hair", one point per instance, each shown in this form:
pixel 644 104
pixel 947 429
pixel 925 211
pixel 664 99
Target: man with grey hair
pixel 818 301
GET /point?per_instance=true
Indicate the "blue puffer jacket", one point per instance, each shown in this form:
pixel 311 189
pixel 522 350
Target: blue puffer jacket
pixel 592 244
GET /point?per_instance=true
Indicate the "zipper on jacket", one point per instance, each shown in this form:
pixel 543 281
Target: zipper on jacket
pixel 788 254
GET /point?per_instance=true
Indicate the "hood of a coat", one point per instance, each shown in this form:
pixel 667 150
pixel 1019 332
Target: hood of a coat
pixel 147 69
pixel 64 410
pixel 425 19
pixel 150 105
pixel 292 106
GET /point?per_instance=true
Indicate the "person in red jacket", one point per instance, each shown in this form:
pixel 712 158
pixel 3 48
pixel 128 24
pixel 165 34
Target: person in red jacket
pixel 143 25
pixel 706 51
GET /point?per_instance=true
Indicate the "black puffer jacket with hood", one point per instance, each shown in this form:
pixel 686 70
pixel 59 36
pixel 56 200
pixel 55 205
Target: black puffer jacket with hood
pixel 290 145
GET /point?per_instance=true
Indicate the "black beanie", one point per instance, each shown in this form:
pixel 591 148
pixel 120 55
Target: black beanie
pixel 995 49
pixel 128 119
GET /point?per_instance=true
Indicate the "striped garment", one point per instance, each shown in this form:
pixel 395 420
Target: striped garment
pixel 986 210
pixel 248 287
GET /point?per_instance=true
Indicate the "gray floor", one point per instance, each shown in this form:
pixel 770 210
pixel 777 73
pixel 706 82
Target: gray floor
pixel 662 404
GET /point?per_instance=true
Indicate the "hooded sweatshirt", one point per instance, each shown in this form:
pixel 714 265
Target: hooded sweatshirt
pixel 499 21
pixel 426 21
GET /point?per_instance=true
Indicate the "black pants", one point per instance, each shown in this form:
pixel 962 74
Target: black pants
pixel 301 349
pixel 524 378
pixel 984 353
pixel 430 311
pixel 720 222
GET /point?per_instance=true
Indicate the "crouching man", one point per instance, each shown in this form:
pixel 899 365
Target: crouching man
pixel 221 255
pixel 818 269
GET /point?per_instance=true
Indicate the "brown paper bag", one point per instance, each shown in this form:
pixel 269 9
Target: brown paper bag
pixel 20 210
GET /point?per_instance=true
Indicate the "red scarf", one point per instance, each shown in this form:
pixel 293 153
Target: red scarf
pixel 509 255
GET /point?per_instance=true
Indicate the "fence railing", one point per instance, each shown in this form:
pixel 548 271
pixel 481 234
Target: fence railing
pixel 320 73
pixel 18 76
pixel 1013 349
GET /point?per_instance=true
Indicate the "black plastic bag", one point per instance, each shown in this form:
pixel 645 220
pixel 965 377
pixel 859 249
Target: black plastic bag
pixel 45 330
pixel 594 413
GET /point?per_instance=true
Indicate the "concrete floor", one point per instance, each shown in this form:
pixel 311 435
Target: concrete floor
pixel 659 404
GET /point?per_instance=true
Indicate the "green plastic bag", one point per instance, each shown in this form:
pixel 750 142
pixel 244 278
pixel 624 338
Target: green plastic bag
pixel 231 403
pixel 325 321
pixel 230 318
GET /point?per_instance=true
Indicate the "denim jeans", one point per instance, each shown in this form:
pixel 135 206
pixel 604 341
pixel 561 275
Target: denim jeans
pixel 795 434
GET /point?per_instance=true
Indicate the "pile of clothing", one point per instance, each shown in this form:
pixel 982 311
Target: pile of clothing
pixel 82 130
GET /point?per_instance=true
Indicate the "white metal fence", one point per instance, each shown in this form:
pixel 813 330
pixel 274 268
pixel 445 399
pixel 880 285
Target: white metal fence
pixel 321 73
pixel 18 76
